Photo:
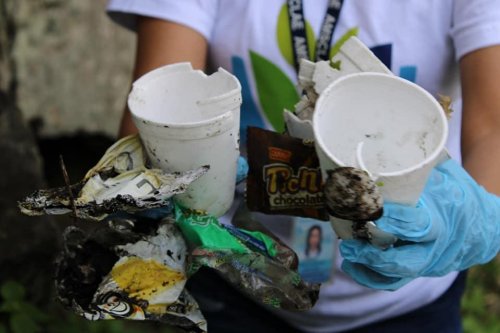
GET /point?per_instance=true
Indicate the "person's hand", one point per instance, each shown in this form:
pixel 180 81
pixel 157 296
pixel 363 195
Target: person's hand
pixel 455 225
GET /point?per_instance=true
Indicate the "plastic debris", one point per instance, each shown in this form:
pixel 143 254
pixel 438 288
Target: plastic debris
pixel 314 77
pixel 128 269
pixel 120 181
pixel 134 267
pixel 257 264
pixel 284 176
pixel 135 264
pixel 351 194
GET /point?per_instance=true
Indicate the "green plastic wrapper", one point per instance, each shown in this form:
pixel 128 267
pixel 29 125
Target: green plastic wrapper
pixel 136 268
pixel 206 231
pixel 255 263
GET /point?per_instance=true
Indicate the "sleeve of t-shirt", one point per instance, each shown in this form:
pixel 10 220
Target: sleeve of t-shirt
pixel 476 24
pixel 195 14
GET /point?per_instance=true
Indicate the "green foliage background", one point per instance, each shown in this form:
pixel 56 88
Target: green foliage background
pixel 481 303
pixel 18 315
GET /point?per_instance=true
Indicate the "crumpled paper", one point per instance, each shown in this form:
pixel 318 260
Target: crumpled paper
pixel 120 181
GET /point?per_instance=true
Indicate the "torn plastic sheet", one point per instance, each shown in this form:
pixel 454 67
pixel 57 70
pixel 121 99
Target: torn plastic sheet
pixel 255 263
pixel 135 264
pixel 260 277
pixel 314 77
pixel 136 268
pixel 128 269
pixel 353 57
pixel 120 181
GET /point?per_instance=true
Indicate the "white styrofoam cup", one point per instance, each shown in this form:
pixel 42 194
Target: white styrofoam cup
pixel 187 119
pixel 401 128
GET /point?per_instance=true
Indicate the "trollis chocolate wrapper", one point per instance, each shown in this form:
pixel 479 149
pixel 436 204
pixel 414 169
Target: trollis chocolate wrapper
pixel 284 176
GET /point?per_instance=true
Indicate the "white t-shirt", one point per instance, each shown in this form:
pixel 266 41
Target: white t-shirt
pixel 420 40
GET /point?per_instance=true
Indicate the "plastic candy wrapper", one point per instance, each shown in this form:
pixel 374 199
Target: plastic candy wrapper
pixel 136 268
pixel 253 262
pixel 128 269
pixel 120 181
pixel 284 176
pixel 135 263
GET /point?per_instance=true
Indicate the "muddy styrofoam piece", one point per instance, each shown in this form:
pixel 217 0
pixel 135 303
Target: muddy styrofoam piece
pixel 314 77
pixel 402 127
pixel 297 127
pixel 354 57
pixel 187 119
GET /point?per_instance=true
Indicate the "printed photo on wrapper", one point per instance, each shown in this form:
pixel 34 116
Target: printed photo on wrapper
pixel 314 242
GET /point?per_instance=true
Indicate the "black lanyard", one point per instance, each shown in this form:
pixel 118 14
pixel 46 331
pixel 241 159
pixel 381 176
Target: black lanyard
pixel 297 21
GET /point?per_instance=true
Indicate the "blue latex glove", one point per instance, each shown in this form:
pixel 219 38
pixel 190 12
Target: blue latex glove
pixel 455 225
pixel 242 171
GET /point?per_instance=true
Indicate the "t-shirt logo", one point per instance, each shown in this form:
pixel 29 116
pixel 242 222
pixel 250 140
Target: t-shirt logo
pixel 275 90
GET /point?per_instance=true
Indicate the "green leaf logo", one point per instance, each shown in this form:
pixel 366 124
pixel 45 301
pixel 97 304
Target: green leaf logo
pixel 284 37
pixel 274 88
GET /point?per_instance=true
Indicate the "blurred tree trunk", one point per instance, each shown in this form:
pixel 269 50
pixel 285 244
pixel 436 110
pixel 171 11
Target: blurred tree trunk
pixel 7 37
pixel 27 244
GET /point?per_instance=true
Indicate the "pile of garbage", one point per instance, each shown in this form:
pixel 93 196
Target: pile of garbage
pixel 137 260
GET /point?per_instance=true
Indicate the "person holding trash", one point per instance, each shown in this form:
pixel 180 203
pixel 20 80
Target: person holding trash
pixel 449 47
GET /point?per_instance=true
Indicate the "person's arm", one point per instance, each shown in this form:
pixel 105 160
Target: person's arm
pixel 160 43
pixel 480 76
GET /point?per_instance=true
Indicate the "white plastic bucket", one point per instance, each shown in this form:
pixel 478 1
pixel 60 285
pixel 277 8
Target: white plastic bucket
pixel 401 128
pixel 187 119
